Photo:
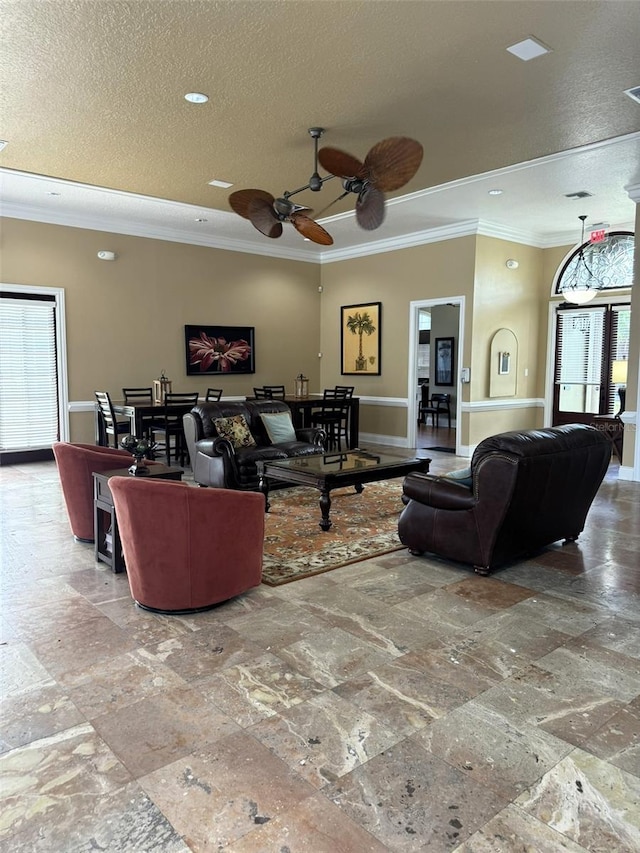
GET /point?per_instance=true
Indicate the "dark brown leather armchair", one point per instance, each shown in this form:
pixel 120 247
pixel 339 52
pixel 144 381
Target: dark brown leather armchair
pixel 529 488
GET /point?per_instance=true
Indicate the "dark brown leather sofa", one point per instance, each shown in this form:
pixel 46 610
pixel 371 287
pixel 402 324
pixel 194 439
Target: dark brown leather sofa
pixel 529 488
pixel 217 463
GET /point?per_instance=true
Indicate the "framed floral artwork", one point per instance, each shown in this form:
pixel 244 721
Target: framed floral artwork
pixel 219 349
pixel 360 336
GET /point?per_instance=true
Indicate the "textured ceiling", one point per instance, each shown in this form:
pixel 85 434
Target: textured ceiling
pixel 93 92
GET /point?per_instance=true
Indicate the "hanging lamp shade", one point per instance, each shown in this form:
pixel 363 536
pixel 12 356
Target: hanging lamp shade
pixel 579 284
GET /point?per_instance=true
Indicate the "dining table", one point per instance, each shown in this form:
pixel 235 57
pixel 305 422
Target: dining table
pixel 301 408
pixel 136 412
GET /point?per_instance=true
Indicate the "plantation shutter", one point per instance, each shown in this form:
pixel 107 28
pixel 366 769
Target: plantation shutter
pixel 579 358
pixel 28 373
pixel 618 350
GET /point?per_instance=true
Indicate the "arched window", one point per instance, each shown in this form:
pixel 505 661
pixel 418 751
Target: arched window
pixel 608 263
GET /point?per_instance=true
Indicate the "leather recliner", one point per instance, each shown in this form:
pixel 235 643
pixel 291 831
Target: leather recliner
pixel 217 463
pixel 529 488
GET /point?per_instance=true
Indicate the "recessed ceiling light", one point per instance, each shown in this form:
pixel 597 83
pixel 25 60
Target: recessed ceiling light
pixel 224 184
pixel 3 143
pixel 196 98
pixel 528 49
pixel 496 192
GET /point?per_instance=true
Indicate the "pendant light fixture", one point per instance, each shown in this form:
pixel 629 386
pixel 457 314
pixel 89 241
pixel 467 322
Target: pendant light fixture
pixel 579 284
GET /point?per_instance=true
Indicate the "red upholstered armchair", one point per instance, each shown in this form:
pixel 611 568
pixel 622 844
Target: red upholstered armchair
pixel 187 549
pixel 76 464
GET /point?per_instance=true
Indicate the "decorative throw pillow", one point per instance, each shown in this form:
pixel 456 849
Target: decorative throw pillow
pixel 279 427
pixel 236 429
pixel 462 477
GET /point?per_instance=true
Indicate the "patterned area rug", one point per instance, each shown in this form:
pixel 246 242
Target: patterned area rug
pixel 364 525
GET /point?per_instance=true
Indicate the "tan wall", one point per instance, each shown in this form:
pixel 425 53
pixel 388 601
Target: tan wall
pixel 395 279
pixel 125 319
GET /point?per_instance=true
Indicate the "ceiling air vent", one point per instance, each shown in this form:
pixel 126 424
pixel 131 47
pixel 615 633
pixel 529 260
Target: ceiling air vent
pixel 634 93
pixel 580 194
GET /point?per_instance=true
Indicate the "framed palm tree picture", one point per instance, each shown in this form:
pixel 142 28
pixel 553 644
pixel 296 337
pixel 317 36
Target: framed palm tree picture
pixel 360 337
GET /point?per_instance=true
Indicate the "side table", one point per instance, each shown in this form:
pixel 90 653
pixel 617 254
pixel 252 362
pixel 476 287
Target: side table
pixel 108 547
pixel 613 428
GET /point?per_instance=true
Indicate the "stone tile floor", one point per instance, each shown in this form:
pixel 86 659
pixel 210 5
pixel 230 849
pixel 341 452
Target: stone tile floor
pixel 398 704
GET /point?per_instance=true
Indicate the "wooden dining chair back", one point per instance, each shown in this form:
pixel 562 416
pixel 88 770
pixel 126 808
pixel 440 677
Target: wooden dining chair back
pixel 169 427
pixel 439 404
pixel 346 390
pixel 112 428
pixel 442 403
pixel 259 393
pixel 274 392
pixel 333 416
pixel 213 395
pixel 138 395
pixel 141 396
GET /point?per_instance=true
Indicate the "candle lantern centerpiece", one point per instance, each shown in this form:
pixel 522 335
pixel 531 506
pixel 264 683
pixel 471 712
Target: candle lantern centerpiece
pixel 301 386
pixel 140 449
pixel 160 388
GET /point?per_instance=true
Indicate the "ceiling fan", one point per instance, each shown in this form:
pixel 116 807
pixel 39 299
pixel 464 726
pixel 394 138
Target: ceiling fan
pixel 387 167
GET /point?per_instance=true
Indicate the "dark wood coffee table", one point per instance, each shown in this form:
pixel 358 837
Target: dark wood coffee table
pixel 335 470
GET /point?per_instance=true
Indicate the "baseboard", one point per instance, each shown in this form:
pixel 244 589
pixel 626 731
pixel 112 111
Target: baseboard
pixel 389 440
pixel 626 472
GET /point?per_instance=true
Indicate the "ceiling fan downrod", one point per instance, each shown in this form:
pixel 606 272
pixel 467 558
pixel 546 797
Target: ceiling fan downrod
pixel 315 181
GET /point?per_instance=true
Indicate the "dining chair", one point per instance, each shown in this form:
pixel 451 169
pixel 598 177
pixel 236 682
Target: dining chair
pixel 439 404
pixel 111 426
pixel 275 392
pixel 347 390
pixel 213 395
pixel 423 404
pixel 143 396
pixel 170 425
pixel 442 403
pixel 259 393
pixel 333 416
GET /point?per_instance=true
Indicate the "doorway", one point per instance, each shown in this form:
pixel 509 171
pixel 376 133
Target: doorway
pixel 436 329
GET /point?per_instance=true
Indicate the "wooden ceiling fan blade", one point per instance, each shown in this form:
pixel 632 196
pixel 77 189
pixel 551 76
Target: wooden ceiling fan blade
pixel 241 200
pixel 310 229
pixel 392 162
pixel 370 208
pixel 340 164
pixel 263 217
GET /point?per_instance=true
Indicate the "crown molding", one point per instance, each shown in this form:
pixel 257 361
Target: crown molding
pixel 131 228
pixel 109 215
pixel 634 192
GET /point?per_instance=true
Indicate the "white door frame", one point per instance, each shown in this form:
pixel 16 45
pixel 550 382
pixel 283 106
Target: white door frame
pixel 412 372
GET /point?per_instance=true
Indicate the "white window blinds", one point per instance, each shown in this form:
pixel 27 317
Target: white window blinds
pixel 581 339
pixel 28 374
